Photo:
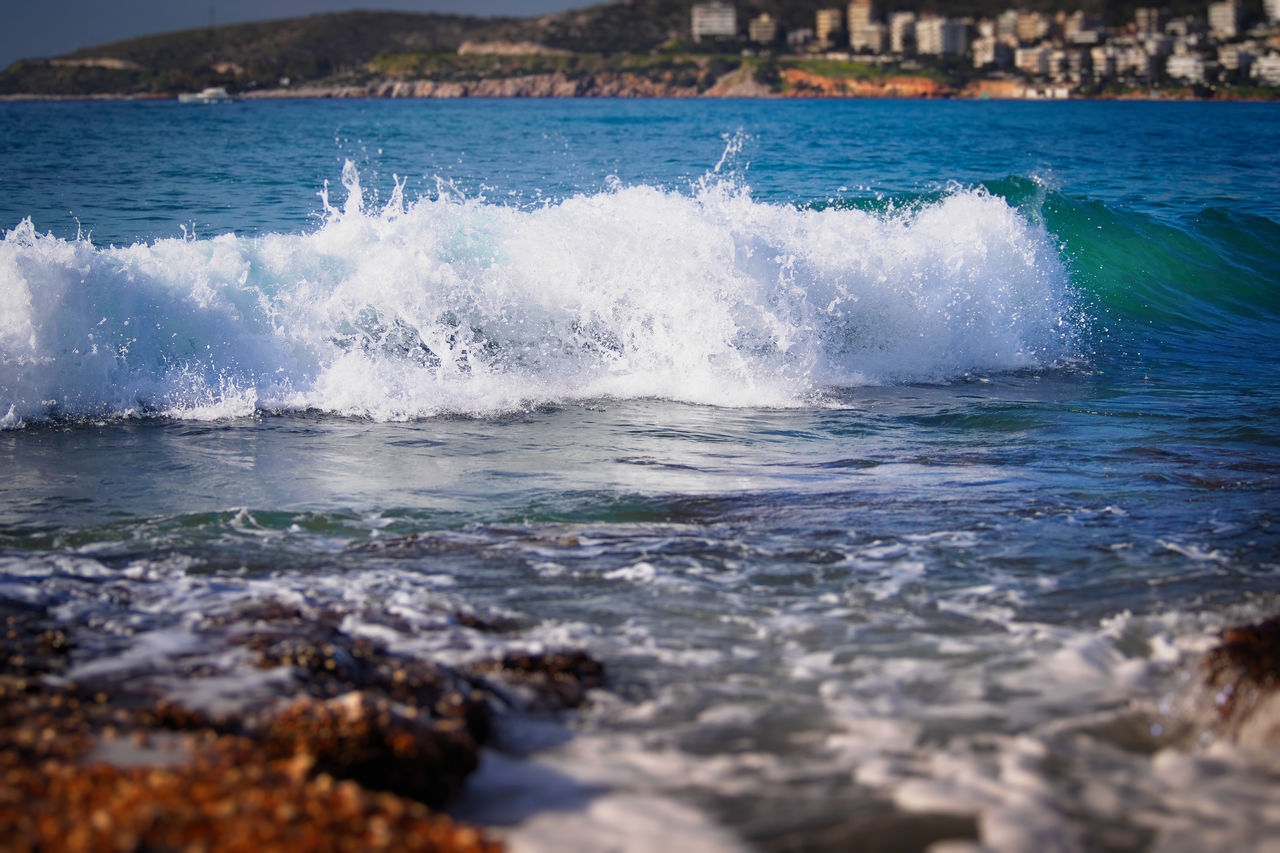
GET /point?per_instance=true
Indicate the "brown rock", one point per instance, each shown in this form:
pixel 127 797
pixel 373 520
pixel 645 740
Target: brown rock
pixel 370 741
pixel 375 743
pixel 550 682
pixel 1241 682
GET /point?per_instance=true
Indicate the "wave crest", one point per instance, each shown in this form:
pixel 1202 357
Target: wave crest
pixel 450 305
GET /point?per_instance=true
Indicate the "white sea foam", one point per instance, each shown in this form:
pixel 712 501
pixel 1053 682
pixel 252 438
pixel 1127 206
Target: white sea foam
pixel 448 305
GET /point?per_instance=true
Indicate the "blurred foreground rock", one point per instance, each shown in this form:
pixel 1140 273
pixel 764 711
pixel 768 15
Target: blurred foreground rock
pixel 1240 698
pixel 353 758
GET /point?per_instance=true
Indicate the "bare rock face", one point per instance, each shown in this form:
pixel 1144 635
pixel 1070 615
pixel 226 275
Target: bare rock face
pixel 802 84
pixel 1241 686
pixel 739 83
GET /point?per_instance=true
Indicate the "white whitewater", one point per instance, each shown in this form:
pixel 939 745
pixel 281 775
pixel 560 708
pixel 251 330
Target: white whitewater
pixel 453 305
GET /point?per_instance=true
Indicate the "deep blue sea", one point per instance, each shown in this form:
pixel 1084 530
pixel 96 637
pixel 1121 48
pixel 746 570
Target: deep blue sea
pixel 897 458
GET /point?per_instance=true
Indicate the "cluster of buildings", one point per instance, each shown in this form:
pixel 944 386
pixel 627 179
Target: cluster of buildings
pixel 1065 48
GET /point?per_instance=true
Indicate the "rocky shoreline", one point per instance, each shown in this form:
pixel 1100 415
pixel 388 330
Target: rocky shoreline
pixel 356 751
pixel 794 83
pixel 740 83
pixel 358 747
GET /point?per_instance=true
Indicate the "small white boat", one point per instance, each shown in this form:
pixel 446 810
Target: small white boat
pixel 211 95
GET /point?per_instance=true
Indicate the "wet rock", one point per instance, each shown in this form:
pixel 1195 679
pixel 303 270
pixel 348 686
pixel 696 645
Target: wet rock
pixel 380 745
pixel 359 745
pixel 547 682
pixel 486 625
pixel 31 643
pixel 351 774
pixel 1241 683
pixel 211 804
pixel 330 663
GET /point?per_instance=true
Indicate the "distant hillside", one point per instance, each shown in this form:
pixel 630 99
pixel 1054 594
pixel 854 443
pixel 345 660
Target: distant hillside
pixel 246 54
pixel 331 47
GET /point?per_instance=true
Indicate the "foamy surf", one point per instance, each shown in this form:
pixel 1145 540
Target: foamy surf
pixel 453 305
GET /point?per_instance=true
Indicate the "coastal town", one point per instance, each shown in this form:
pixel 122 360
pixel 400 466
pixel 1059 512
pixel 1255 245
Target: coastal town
pixel 1027 53
pixel 1225 50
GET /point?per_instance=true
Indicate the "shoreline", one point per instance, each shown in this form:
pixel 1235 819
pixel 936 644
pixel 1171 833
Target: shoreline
pixel 356 93
pixel 369 747
pixel 795 84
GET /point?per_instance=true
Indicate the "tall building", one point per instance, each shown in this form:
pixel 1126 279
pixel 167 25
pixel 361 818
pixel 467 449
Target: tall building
pixel 941 37
pixel 1272 10
pixel 714 20
pixel 865 33
pixel 827 23
pixel 902 32
pixel 1226 18
pixel 861 13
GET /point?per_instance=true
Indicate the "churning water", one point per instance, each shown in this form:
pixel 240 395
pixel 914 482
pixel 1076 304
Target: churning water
pixel 896 458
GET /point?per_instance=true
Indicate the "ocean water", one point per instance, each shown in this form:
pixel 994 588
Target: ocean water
pixel 897 459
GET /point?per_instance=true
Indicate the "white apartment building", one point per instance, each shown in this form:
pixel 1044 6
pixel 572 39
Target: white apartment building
pixel 861 13
pixel 1135 61
pixel 1033 60
pixel 941 37
pixel 1236 57
pixel 902 32
pixel 714 20
pixel 864 32
pixel 1272 10
pixel 989 51
pixel 873 37
pixel 1188 67
pixel 1226 18
pixel 1103 60
pixel 1266 69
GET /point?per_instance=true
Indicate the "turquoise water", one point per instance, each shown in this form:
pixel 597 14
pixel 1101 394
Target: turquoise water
pixel 895 457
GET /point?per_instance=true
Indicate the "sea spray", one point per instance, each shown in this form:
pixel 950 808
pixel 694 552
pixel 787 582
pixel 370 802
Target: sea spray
pixel 455 305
